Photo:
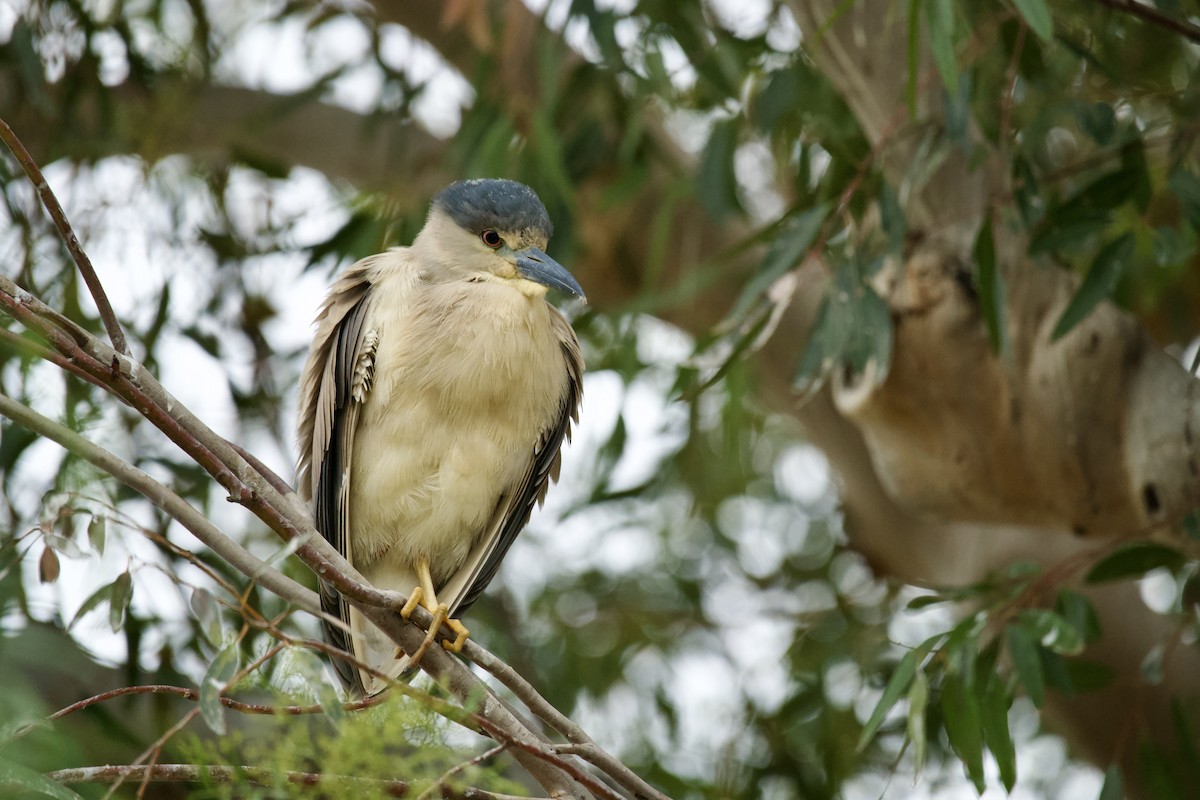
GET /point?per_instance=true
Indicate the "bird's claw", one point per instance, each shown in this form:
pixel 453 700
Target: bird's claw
pixel 441 615
pixel 414 600
pixel 460 635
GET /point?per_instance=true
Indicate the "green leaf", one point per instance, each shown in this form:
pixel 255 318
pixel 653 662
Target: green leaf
pixel 17 777
pixel 118 604
pixel 1022 649
pixel 1053 632
pixel 1097 120
pixel 994 710
pixel 897 685
pixel 715 181
pixel 97 529
pixel 102 595
pixel 992 292
pixel 1135 560
pixel 918 700
pixel 1112 788
pixel 891 219
pixel 940 15
pixel 787 249
pixel 207 614
pixel 817 356
pixel 779 96
pixel 924 601
pixel 1186 187
pixel 1078 610
pixel 1037 15
pixel 216 678
pixel 1099 284
pixel 914 56
pixel 964 727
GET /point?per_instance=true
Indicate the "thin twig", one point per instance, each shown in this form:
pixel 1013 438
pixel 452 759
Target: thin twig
pixel 1154 17
pixel 162 496
pixel 55 210
pixel 438 787
pixel 228 702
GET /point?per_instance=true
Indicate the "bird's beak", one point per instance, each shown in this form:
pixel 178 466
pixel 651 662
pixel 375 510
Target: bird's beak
pixel 534 265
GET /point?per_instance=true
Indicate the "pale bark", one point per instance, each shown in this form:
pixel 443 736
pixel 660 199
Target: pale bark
pixel 962 462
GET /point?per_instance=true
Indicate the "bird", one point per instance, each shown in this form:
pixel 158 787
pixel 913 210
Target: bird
pixel 438 391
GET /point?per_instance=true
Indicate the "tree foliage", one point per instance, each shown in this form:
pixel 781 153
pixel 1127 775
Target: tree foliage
pixel 744 220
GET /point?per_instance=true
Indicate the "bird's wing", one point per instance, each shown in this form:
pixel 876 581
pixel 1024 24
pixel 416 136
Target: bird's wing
pixel 336 381
pixel 514 508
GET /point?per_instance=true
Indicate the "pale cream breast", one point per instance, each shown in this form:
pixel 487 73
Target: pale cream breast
pixel 452 418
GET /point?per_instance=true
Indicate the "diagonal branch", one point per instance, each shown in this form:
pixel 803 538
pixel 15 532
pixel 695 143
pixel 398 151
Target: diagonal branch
pixel 162 496
pixel 322 783
pixel 55 210
pixel 1154 17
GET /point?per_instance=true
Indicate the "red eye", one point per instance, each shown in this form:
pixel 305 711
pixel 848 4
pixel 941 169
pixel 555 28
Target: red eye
pixel 491 239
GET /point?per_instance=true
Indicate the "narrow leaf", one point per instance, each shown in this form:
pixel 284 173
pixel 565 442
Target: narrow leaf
pixel 1078 610
pixel 914 56
pixel 991 288
pixel 1134 560
pixel 1037 15
pixel 785 253
pixel 119 602
pixel 97 532
pixel 994 708
pixel 715 181
pixel 48 566
pixel 1112 788
pixel 918 701
pixel 216 678
pixel 207 614
pixel 941 41
pixel 1186 187
pixel 964 727
pixel 1023 651
pixel 895 689
pixel 17 777
pixel 1099 284
pixel 1052 631
pixel 101 595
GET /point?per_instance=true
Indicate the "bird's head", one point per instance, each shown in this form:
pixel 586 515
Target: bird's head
pixel 489 230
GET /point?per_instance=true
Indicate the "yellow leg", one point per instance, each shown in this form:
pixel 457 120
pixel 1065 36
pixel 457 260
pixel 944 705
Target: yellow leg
pixel 425 595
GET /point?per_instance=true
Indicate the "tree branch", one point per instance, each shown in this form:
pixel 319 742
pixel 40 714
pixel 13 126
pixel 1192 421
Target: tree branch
pixel 213 537
pixel 1154 17
pixel 55 210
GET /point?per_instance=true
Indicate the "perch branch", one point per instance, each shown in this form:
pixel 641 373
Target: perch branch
pixel 55 210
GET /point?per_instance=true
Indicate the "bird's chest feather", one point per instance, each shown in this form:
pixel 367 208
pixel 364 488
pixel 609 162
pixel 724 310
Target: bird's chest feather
pixel 466 382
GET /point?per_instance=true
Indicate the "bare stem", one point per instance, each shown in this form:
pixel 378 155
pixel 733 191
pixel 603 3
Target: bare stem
pixel 55 210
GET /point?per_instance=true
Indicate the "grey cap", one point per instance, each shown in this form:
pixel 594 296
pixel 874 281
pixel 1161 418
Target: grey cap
pixel 494 203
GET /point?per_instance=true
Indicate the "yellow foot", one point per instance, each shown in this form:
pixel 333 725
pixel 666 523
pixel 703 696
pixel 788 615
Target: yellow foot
pixel 460 635
pixel 414 600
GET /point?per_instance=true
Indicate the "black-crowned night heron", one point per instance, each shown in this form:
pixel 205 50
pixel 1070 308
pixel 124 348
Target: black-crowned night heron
pixel 435 399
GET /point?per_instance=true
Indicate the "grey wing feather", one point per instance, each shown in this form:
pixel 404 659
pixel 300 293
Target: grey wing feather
pixel 516 507
pixel 334 384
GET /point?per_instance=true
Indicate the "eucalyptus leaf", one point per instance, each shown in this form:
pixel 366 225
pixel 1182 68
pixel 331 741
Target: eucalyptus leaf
pixel 994 704
pixel 1037 15
pixel 1022 650
pixel 896 687
pixel 1099 284
pixel 1135 560
pixel 23 779
pixel 992 293
pixel 118 605
pixel 964 727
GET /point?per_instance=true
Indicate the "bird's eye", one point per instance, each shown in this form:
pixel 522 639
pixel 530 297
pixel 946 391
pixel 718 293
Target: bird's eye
pixel 491 239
